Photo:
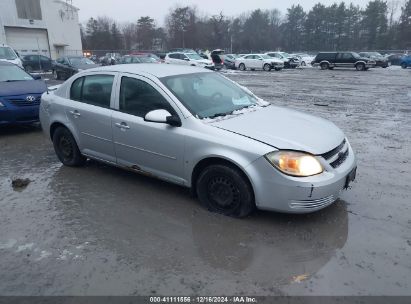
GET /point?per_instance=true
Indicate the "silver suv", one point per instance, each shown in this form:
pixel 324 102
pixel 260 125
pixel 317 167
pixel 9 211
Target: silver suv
pixel 198 129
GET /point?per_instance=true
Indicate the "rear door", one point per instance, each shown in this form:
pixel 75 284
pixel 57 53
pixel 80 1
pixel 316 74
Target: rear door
pixel 148 147
pixel 345 59
pixel 89 112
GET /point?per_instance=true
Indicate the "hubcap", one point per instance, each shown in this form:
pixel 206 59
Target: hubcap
pixel 223 194
pixel 66 148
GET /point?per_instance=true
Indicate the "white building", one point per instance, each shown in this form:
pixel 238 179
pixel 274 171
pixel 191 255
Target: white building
pixel 48 27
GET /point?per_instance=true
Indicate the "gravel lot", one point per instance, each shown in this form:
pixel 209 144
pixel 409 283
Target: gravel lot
pixel 103 231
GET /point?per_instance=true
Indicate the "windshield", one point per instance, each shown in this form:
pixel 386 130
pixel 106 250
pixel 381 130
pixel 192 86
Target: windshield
pixel 266 56
pixel 285 54
pixel 356 55
pixel 77 61
pixel 13 73
pixel 194 56
pixel 209 94
pixel 7 53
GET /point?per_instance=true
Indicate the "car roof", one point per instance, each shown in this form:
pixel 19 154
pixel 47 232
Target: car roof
pixel 156 70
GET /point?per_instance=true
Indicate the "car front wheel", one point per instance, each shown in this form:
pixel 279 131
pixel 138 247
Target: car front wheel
pixel 66 148
pixel 267 67
pixel 242 67
pixel 224 189
pixel 404 65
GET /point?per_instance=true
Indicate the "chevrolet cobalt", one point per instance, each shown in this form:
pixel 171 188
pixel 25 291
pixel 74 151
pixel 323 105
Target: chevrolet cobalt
pixel 198 129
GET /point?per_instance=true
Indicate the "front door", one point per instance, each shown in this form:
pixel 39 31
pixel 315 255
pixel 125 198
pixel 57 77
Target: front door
pixel 153 148
pixel 90 114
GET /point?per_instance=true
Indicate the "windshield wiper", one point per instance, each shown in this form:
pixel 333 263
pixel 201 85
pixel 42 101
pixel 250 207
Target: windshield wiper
pixel 220 115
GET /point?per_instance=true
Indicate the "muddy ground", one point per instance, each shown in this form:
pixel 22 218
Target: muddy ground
pixel 103 231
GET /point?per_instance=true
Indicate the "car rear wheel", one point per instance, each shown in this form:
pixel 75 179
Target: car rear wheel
pixel 360 67
pixel 242 67
pixel 303 64
pixel 404 65
pixel 278 69
pixel 66 148
pixel 267 67
pixel 224 189
pixel 324 66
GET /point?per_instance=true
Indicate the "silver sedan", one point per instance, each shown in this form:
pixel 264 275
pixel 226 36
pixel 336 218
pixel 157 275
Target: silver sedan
pixel 198 129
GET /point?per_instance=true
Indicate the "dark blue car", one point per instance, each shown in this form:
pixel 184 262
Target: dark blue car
pixel 406 61
pixel 20 95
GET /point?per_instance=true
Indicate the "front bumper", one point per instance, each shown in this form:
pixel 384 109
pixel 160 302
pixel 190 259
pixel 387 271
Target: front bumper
pixel 20 116
pixel 275 191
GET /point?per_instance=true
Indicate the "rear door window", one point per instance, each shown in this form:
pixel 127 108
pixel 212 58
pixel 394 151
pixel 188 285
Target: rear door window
pixel 94 90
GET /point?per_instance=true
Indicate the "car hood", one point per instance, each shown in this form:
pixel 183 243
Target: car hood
pixel 22 87
pixel 285 129
pixel 274 60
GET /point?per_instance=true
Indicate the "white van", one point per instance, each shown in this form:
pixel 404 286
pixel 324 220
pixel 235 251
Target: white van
pixel 9 55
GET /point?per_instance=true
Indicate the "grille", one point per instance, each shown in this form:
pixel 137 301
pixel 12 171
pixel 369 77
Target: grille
pixel 22 102
pixel 336 157
pixel 313 204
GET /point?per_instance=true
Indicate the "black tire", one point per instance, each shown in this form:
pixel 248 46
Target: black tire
pixel 404 65
pixel 242 67
pixel 331 68
pixel 66 148
pixel 278 69
pixel 267 67
pixel 360 66
pixel 324 66
pixel 224 189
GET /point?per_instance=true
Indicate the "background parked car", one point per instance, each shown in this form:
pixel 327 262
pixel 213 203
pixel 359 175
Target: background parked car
pixel 37 62
pixel 290 62
pixel 192 59
pixel 152 56
pixel 330 60
pixel 395 59
pixel 111 59
pixel 20 95
pixel 66 67
pixel 217 57
pixel 305 59
pixel 379 59
pixel 406 61
pixel 9 55
pixel 129 59
pixel 259 62
pixel 229 61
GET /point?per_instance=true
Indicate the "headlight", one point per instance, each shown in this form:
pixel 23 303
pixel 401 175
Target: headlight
pixel 295 163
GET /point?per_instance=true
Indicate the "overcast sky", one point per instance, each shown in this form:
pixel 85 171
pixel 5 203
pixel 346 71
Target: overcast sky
pixel 131 10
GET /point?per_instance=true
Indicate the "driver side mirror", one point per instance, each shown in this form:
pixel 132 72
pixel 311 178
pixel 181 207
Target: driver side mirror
pixel 164 117
pixel 36 77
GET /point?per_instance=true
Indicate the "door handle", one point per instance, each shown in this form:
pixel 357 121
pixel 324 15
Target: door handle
pixel 75 113
pixel 122 126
